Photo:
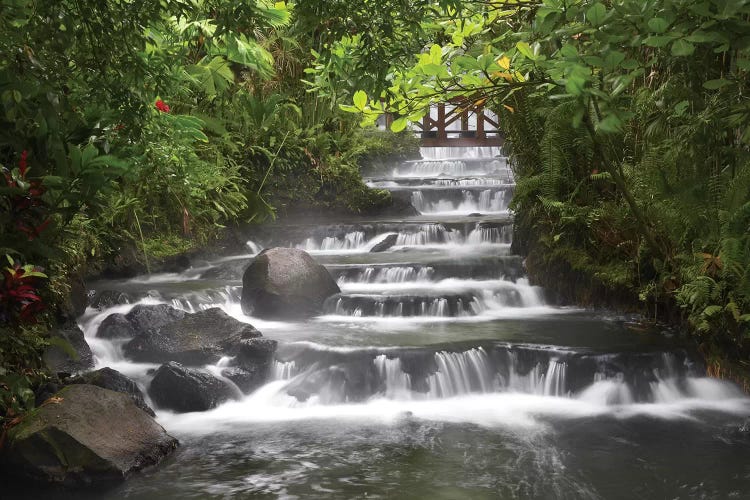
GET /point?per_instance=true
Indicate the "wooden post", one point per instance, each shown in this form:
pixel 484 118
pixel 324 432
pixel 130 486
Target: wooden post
pixel 441 122
pixel 480 123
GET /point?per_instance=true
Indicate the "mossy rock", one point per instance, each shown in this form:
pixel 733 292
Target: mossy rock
pixel 85 435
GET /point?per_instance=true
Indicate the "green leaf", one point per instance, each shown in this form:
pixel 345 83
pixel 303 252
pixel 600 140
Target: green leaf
pixel 89 153
pixel 716 84
pixel 610 124
pixel 569 50
pixel 436 54
pixel 360 99
pixel 349 109
pixel 399 124
pixel 248 53
pixel 680 107
pixel 682 48
pixel 52 181
pixel 613 59
pixel 596 14
pixel 525 50
pixel 657 40
pixel 712 310
pixel 465 63
pixel 658 24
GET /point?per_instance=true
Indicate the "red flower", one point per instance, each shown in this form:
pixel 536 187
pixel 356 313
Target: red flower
pixel 595 171
pixel 23 163
pixel 162 106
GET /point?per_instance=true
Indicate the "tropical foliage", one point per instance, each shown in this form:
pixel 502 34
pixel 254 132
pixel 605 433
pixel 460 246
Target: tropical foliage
pixel 132 130
pixel 629 127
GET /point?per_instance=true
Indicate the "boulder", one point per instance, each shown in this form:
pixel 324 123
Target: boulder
pixel 107 378
pixel 109 298
pixel 385 244
pixel 182 389
pixel 197 339
pixel 85 435
pixel 285 283
pixel 400 205
pixel 74 357
pixel 115 326
pixel 251 363
pixel 140 319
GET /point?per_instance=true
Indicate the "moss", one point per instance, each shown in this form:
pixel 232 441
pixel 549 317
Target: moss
pixel 167 245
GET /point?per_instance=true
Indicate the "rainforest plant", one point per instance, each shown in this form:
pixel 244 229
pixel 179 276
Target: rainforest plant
pixel 629 132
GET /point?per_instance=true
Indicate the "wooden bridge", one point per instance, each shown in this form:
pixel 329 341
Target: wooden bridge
pixel 458 123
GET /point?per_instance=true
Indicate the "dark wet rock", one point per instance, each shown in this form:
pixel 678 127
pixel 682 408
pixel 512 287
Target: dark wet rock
pixel 252 351
pixel 195 340
pixel 116 326
pixel 400 205
pixel 140 319
pixel 71 358
pixel 182 389
pixel 251 363
pixel 474 214
pixel 246 379
pixel 109 298
pixel 85 435
pixel 145 317
pixel 285 283
pixel 107 378
pixel 385 244
pixel 175 264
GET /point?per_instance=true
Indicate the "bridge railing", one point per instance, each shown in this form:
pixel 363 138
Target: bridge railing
pixel 458 123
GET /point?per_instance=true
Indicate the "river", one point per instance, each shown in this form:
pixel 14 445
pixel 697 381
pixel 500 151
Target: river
pixel 439 372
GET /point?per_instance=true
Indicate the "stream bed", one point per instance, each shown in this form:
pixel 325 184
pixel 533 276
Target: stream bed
pixel 439 372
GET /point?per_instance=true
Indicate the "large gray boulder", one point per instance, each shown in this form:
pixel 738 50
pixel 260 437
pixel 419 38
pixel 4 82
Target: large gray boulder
pixel 85 435
pixel 141 318
pixel 285 283
pixel 107 378
pixel 182 389
pixel 69 352
pixel 196 339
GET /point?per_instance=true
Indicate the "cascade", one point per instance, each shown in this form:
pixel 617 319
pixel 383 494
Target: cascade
pixel 437 347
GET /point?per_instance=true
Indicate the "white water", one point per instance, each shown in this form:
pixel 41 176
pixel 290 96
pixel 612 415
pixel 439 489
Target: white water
pixel 486 202
pixel 466 386
pixel 424 235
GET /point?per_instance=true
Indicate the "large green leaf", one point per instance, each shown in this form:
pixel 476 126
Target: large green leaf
pixel 596 14
pixel 682 48
pixel 360 100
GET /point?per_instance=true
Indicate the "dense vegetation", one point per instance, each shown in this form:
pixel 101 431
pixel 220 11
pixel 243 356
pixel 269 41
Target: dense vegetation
pixel 629 123
pixel 140 125
pixel 134 130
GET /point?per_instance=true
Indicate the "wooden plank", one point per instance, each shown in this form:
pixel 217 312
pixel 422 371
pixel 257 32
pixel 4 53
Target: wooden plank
pixel 441 121
pixel 491 122
pixel 435 142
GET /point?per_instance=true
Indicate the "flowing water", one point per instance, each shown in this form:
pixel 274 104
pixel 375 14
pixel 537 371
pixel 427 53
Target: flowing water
pixel 439 372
